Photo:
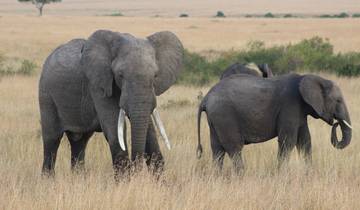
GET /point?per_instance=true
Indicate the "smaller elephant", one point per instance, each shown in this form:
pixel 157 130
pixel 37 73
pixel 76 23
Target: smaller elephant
pixel 243 109
pixel 251 68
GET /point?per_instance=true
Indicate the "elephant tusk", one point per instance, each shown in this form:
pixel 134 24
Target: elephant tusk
pixel 347 124
pixel 156 117
pixel 121 122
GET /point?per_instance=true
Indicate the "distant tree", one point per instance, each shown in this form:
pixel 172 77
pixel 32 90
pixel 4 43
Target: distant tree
pixel 220 14
pixel 39 4
pixel 183 15
pixel 269 15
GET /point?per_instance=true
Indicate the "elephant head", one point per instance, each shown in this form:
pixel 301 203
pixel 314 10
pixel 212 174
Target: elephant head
pixel 140 69
pixel 327 103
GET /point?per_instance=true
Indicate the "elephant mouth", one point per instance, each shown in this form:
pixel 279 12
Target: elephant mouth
pixel 155 117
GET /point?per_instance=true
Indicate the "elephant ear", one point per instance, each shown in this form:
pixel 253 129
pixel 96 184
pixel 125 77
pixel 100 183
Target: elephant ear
pixel 169 57
pixel 96 59
pixel 313 90
pixel 266 70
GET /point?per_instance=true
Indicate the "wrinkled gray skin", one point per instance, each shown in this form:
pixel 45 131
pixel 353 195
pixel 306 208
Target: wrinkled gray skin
pixel 238 68
pixel 243 109
pixel 84 83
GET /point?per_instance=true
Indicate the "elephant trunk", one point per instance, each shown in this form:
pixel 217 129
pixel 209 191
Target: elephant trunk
pixel 346 131
pixel 139 119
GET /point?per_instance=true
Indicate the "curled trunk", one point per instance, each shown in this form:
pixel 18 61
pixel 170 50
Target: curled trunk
pixel 346 135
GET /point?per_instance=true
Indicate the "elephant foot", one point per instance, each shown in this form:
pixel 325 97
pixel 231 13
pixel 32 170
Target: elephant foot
pixel 155 164
pixel 46 173
pixel 121 170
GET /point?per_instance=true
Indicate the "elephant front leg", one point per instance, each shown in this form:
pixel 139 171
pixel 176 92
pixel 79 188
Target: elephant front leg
pixel 78 142
pixel 287 140
pixel 303 144
pixel 154 158
pixel 120 158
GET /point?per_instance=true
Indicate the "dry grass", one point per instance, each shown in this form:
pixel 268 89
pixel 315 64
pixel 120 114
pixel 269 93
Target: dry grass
pixel 33 38
pixel 175 7
pixel 187 183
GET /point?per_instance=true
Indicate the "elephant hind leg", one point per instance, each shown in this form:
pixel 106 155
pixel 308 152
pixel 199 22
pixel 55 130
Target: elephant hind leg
pixel 218 151
pixel 227 138
pixel 238 163
pixel 52 133
pixel 78 142
pixel 287 140
pixel 303 144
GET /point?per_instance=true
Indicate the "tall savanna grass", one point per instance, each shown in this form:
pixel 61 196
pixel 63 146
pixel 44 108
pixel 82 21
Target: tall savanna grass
pixel 187 183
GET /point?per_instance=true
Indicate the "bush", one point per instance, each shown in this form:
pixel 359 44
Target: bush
pixel 356 15
pixel 288 16
pixel 220 14
pixel 116 14
pixel 183 15
pixel 341 15
pixel 269 15
pixel 27 67
pixel 314 54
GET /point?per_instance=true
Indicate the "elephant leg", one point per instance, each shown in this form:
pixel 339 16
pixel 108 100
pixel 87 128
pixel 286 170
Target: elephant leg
pixel 231 141
pixel 154 158
pixel 218 151
pixel 303 144
pixel 51 145
pixel 51 134
pixel 286 143
pixel 108 113
pixel 237 160
pixel 78 142
pixel 120 158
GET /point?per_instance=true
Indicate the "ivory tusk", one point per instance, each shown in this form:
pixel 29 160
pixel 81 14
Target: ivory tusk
pixel 121 122
pixel 160 126
pixel 347 124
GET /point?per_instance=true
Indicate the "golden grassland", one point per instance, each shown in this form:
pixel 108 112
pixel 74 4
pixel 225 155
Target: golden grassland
pixel 187 183
pixel 175 7
pixel 33 37
pixel 333 182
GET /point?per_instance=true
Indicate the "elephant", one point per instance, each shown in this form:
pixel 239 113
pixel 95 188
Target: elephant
pixel 251 68
pixel 91 85
pixel 243 109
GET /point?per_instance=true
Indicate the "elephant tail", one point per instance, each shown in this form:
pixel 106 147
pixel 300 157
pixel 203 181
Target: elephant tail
pixel 199 149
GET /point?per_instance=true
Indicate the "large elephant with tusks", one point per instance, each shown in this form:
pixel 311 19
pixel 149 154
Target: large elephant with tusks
pixel 91 85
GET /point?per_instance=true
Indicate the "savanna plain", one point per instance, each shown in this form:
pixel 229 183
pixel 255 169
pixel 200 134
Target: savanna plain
pixel 333 181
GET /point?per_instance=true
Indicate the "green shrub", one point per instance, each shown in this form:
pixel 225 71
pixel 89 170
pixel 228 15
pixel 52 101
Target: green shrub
pixel 314 54
pixel 356 15
pixel 341 15
pixel 220 14
pixel 288 16
pixel 183 15
pixel 269 15
pixel 116 14
pixel 27 67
